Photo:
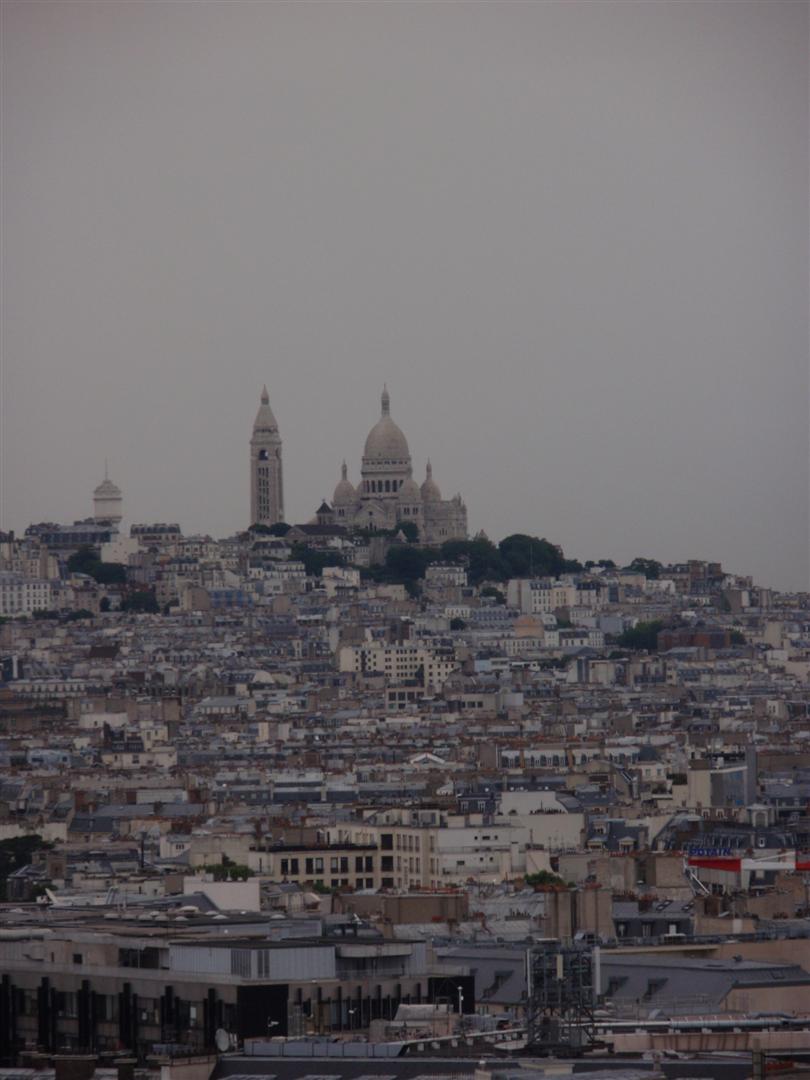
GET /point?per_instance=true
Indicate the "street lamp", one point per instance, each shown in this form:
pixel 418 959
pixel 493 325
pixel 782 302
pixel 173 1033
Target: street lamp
pixel 270 1025
pixel 460 990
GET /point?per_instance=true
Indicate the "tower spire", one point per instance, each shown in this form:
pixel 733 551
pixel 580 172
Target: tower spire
pixel 386 401
pixel 266 486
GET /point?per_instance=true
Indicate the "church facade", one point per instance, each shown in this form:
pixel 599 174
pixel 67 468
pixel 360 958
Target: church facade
pixel 388 496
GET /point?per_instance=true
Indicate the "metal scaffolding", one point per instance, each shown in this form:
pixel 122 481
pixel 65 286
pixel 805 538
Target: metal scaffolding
pixel 562 983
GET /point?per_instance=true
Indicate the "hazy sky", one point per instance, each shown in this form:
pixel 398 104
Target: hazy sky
pixel 572 237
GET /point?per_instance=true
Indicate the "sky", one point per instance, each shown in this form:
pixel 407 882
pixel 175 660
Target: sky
pixel 571 237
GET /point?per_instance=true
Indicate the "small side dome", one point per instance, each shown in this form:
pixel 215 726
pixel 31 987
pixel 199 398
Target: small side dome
pixel 430 489
pixel 345 492
pixel 409 492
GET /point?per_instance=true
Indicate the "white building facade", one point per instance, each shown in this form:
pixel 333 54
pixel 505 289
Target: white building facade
pixel 266 480
pixel 388 496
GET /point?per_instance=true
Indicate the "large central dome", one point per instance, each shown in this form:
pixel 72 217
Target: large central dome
pixel 385 441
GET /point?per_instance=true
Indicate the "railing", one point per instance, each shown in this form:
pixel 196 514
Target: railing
pixel 699 1004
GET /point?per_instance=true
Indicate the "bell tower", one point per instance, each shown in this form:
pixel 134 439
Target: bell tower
pixel 266 486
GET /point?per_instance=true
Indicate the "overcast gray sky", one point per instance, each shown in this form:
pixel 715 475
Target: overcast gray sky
pixel 572 237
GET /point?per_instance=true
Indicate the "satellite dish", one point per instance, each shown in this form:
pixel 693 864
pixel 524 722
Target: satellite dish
pixel 223 1040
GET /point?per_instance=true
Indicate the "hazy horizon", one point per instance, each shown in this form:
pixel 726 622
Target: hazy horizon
pixel 572 238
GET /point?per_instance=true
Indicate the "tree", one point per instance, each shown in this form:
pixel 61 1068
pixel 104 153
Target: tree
pixel 110 573
pixel 651 568
pixel 643 635
pixel 482 559
pixel 104 604
pixel 410 530
pixel 142 600
pixel 543 877
pixel 82 560
pixel 495 594
pixel 86 561
pixel 406 564
pixel 529 556
pixel 80 613
pixel 314 559
pixel 457 624
pixel 738 638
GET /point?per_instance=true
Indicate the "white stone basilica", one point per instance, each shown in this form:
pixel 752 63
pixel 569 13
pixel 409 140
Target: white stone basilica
pixel 388 495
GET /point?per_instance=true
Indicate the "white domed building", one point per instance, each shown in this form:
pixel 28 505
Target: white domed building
pixel 388 495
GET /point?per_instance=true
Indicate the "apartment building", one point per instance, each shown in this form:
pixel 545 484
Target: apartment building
pixel 20 595
pixel 400 663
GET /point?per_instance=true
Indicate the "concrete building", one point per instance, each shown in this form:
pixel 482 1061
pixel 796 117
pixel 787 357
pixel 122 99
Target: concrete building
pixel 136 984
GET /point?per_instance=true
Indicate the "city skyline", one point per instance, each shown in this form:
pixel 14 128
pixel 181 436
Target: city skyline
pixel 595 319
